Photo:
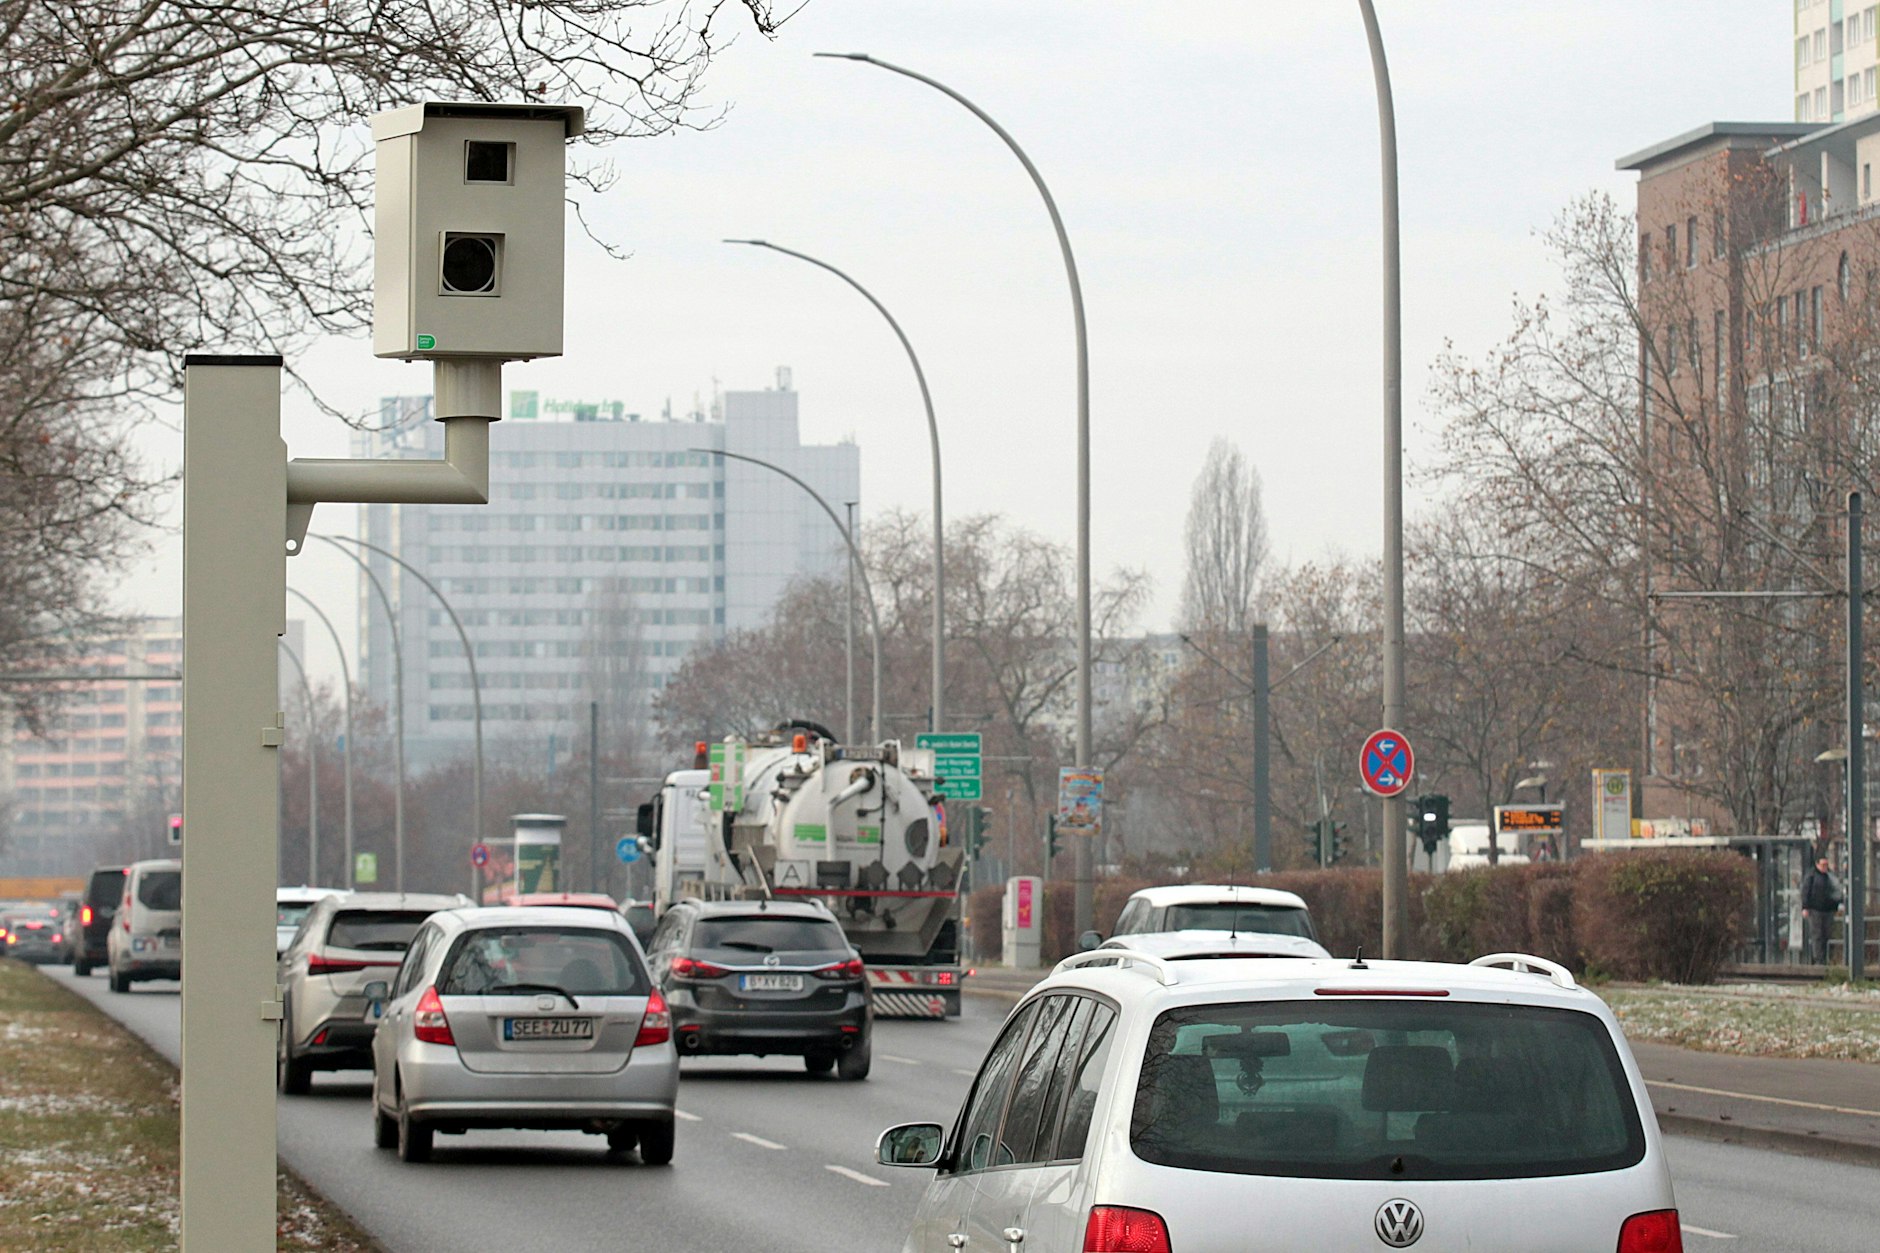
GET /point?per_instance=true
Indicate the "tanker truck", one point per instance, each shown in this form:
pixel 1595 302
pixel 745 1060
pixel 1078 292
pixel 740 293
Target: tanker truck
pixel 793 813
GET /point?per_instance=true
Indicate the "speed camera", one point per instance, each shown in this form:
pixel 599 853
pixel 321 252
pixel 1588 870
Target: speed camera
pixel 468 215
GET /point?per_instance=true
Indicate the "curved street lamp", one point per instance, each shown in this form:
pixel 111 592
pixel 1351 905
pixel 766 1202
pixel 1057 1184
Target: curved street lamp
pixel 346 679
pixel 1085 903
pixel 938 717
pixel 398 714
pixel 469 654
pixel 855 556
pixel 313 768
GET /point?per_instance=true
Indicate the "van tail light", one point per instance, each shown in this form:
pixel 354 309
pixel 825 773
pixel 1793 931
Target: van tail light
pixel 322 965
pixel 656 1023
pixel 690 968
pixel 429 1023
pixel 1117 1229
pixel 850 970
pixel 58 937
pixel 1654 1232
pixel 84 915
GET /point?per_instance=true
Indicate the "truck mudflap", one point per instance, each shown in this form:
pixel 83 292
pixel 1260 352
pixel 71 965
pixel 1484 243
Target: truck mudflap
pixel 915 991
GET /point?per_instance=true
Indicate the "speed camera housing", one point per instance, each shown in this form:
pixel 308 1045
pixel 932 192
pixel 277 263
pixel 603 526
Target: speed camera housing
pixel 468 215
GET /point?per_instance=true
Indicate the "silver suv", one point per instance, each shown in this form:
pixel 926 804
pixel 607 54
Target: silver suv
pixel 1248 1104
pixel 344 942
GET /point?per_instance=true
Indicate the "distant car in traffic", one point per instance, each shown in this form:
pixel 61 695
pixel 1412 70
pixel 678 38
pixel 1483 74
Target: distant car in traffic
pixel 146 937
pixel 1210 907
pixel 97 907
pixel 1215 945
pixel 346 941
pixel 749 977
pixel 33 934
pixel 291 907
pixel 640 916
pixel 544 1019
pixel 1136 1103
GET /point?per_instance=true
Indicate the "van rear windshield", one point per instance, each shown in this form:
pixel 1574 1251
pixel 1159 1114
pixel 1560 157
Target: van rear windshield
pixel 1391 1090
pixel 160 889
pixel 105 889
pixel 1233 916
pixel 386 930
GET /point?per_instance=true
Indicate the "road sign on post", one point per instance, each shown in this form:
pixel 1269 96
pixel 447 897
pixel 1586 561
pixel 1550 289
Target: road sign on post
pixel 479 855
pixel 1080 801
pixel 1386 764
pixel 957 762
pixel 365 867
pixel 627 849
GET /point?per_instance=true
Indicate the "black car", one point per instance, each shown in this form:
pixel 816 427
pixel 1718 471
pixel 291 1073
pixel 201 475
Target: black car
pixel 763 977
pixel 96 910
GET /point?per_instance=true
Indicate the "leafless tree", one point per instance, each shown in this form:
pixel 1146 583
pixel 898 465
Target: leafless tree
pixel 1226 546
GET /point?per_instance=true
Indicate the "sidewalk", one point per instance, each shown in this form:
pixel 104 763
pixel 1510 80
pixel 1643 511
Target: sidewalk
pixel 1827 1109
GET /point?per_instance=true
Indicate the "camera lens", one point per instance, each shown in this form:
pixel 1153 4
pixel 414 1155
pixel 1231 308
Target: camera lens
pixel 469 263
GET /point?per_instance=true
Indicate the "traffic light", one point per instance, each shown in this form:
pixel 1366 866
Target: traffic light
pixel 1432 820
pixel 982 828
pixel 1335 842
pixel 1315 843
pixel 1050 837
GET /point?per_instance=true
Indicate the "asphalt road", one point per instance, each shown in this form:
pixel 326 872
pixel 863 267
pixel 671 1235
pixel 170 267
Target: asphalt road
pixel 771 1158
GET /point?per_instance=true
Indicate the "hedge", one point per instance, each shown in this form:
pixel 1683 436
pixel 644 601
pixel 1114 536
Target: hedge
pixel 1673 915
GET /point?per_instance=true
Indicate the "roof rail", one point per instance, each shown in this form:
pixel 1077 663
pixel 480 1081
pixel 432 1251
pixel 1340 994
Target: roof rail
pixel 1162 972
pixel 1560 975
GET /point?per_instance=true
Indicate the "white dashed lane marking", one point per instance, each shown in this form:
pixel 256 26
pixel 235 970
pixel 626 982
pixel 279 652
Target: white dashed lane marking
pixel 1705 1231
pixel 682 1116
pixel 759 1141
pixel 968 1073
pixel 858 1176
pixel 902 1061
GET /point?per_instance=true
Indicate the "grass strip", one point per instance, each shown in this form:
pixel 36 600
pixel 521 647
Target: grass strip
pixel 90 1120
pixel 1771 1027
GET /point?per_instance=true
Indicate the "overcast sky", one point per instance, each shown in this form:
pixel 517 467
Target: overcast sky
pixel 1216 166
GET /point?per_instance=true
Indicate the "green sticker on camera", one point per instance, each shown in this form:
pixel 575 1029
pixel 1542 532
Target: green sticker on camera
pixel 426 343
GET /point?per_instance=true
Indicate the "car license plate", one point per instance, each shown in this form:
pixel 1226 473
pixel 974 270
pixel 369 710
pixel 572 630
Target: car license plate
pixel 548 1028
pixel 770 983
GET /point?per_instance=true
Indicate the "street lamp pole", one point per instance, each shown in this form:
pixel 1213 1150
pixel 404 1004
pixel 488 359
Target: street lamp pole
pixel 313 770
pixel 469 655
pixel 1396 867
pixel 1085 901
pixel 855 556
pixel 933 439
pixel 848 633
pixel 398 716
pixel 346 751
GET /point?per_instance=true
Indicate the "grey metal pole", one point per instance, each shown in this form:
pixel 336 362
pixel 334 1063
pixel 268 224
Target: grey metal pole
pixel 234 605
pixel 1857 835
pixel 398 715
pixel 1396 865
pixel 470 658
pixel 313 769
pixel 848 636
pixel 855 555
pixel 595 867
pixel 933 440
pixel 1085 903
pixel 1262 796
pixel 346 750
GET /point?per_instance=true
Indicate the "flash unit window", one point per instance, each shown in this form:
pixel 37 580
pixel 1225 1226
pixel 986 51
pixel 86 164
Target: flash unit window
pixel 486 161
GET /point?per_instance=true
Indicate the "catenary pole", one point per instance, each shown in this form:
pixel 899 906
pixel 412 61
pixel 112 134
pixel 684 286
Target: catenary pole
pixel 347 749
pixel 933 441
pixel 313 768
pixel 1396 866
pixel 848 634
pixel 1858 837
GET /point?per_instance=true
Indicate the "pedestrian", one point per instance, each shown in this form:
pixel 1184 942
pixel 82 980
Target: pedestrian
pixel 1821 897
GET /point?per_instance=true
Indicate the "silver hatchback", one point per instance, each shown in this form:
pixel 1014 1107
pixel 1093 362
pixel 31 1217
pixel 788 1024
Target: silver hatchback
pixel 540 1018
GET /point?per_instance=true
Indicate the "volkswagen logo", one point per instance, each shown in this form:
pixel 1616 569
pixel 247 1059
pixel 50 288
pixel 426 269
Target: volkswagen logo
pixel 773 960
pixel 1399 1223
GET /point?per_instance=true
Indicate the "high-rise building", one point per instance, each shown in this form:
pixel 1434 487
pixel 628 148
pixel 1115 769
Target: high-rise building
pixel 1836 52
pixel 612 546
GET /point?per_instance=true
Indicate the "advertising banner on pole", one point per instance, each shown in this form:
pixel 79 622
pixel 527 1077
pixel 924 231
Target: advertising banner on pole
pixel 1612 804
pixel 1080 801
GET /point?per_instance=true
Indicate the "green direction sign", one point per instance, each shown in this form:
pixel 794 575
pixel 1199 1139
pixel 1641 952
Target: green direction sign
pixel 365 867
pixel 957 762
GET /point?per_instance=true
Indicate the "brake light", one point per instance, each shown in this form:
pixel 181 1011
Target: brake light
pixel 688 968
pixel 35 926
pixel 320 965
pixel 1380 991
pixel 84 915
pixel 656 1023
pixel 12 939
pixel 850 969
pixel 58 937
pixel 941 978
pixel 429 1023
pixel 1655 1232
pixel 1117 1229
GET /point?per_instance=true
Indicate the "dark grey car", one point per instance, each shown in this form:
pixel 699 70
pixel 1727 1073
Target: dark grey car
pixel 750 977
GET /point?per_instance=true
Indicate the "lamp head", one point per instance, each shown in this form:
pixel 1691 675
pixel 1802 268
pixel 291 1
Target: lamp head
pixel 844 56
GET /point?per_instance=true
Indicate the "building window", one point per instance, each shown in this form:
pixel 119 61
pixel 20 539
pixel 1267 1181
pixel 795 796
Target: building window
pixel 1716 233
pixel 1843 277
pixel 1866 178
pixel 1821 104
pixel 1690 242
pixel 1867 30
pixel 1692 344
pixel 1867 80
pixel 1835 46
pixel 1839 105
pixel 1671 246
pixel 1821 44
pixel 1814 316
pixel 1802 110
pixel 1801 52
pixel 1671 349
pixel 1644 258
pixel 1719 330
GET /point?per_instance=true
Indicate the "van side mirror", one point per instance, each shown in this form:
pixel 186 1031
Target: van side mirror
pixel 911 1144
pixel 1089 940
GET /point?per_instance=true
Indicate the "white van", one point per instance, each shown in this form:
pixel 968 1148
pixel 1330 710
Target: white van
pixel 147 934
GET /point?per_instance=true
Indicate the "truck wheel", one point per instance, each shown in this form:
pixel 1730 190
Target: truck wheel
pixel 819 1063
pixel 853 1065
pixel 656 1143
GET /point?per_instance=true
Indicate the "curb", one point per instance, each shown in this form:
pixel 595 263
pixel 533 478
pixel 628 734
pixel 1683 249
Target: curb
pixel 1818 1147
